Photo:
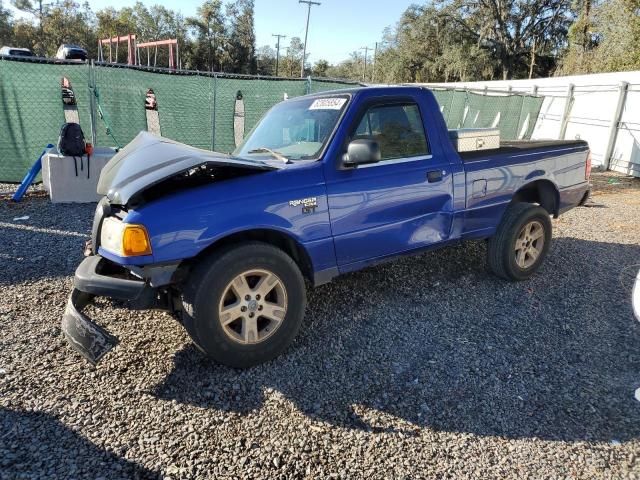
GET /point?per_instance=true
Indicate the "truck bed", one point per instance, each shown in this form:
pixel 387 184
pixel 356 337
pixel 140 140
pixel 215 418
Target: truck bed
pixel 518 147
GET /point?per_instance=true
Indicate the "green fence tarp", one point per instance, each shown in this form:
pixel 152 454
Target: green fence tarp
pixel 31 111
pixel 514 115
pixel 194 108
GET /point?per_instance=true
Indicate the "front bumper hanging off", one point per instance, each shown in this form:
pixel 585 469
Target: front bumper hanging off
pixel 86 337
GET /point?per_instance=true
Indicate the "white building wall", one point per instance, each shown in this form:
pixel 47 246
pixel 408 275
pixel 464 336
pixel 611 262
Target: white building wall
pixel 590 114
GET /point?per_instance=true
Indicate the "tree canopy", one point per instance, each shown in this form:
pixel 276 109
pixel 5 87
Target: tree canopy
pixel 435 41
pixel 214 39
pixel 463 40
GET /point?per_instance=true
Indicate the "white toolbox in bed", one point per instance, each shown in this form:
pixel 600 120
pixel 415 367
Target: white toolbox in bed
pixel 472 139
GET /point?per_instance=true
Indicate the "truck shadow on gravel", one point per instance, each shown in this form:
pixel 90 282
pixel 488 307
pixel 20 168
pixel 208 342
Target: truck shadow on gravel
pixel 37 445
pixel 437 342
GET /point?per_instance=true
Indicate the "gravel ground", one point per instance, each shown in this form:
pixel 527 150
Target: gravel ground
pixel 424 367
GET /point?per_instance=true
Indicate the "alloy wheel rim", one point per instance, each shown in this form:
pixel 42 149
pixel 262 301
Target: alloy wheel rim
pixel 529 244
pixel 253 306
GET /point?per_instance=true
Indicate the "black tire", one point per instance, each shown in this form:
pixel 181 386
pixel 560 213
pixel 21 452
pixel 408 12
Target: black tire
pixel 208 282
pixel 501 253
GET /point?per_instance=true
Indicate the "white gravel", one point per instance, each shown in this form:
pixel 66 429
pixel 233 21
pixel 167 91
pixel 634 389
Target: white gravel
pixel 425 367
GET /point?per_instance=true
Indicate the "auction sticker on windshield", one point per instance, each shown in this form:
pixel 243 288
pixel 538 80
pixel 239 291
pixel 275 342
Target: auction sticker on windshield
pixel 328 104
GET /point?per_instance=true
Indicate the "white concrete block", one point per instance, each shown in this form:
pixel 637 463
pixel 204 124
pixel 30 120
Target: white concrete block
pixel 60 180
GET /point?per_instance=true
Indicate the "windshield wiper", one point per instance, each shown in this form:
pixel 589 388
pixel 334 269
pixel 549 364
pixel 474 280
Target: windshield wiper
pixel 274 153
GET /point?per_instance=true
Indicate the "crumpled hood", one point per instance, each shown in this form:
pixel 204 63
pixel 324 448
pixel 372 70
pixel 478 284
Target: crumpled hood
pixel 148 160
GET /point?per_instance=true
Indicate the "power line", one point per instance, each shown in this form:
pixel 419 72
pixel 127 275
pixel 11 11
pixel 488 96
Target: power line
pixel 278 49
pixel 306 33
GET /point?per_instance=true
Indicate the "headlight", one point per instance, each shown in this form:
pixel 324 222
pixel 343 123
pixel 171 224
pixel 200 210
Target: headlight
pixel 124 239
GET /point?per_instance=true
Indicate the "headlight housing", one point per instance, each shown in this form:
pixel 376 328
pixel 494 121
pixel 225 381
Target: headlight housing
pixel 124 239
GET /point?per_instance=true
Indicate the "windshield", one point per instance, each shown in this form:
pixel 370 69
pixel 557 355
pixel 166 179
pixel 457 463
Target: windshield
pixel 21 53
pixel 295 129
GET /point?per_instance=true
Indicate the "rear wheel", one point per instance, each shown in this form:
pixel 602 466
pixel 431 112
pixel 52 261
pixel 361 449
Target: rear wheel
pixel 244 306
pixel 521 242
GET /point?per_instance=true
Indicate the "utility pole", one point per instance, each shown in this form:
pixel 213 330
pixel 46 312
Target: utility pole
pixel 278 49
pixel 364 69
pixel 40 14
pixel 375 56
pixel 306 33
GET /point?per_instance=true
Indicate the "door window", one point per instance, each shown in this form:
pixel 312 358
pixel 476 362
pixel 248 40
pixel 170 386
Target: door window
pixel 398 128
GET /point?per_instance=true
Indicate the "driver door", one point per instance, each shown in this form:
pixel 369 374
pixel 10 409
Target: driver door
pixel 403 202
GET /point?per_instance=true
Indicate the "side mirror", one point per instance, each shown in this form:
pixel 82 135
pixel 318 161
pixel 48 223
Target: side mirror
pixel 361 152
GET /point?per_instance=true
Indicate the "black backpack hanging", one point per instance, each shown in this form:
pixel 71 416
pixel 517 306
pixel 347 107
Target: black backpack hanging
pixel 71 143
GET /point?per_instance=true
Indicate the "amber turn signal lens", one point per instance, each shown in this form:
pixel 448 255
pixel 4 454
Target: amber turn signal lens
pixel 135 241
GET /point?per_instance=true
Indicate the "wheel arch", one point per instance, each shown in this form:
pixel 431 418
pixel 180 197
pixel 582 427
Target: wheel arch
pixel 284 241
pixel 543 192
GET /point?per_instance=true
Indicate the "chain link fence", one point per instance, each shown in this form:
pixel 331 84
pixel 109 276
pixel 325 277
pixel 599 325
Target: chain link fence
pixel 205 110
pixel 514 114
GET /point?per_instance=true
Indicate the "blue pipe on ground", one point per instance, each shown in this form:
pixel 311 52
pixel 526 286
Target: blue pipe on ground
pixel 28 178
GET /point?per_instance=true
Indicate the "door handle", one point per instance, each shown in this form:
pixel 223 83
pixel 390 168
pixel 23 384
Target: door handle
pixel 434 176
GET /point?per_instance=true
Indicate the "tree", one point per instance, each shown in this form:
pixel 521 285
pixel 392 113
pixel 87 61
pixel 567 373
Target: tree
pixel 604 38
pixel 512 31
pixel 242 38
pixel 290 62
pixel 111 22
pixel 266 60
pixel 210 37
pixel 40 10
pixel 67 22
pixel 6 27
pixel 460 40
pixel 425 46
pixel 320 68
pixel 350 69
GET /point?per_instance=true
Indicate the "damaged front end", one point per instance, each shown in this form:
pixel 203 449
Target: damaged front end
pixel 148 168
pixel 96 276
pixel 86 337
pixel 149 161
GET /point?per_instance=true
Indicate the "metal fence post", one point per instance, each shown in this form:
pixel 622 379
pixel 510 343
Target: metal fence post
pixel 465 112
pixel 213 114
pixel 567 110
pixel 92 102
pixel 453 96
pixel 522 96
pixel 615 123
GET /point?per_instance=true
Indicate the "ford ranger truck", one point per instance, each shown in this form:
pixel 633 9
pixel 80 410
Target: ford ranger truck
pixel 324 184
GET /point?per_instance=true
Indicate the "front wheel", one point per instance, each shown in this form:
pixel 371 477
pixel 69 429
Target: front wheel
pixel 521 242
pixel 244 305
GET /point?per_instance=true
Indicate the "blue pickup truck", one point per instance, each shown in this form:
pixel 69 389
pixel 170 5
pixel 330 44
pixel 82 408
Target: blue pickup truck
pixel 323 185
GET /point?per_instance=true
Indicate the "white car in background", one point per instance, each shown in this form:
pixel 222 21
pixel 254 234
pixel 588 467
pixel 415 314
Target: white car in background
pixel 16 52
pixel 71 52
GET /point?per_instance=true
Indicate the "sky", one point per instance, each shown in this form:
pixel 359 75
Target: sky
pixel 336 28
